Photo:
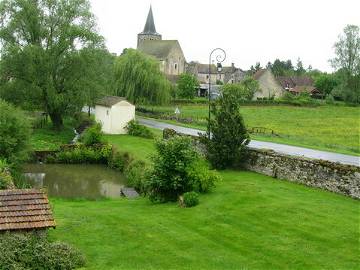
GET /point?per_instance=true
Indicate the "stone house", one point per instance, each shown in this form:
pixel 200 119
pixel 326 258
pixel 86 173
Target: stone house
pixel 168 52
pixel 299 84
pixel 269 85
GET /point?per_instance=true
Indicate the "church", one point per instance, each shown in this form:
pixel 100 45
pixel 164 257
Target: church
pixel 168 52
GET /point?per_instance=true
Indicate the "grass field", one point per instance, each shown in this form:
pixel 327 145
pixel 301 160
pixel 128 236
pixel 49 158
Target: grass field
pixel 332 128
pixel 249 221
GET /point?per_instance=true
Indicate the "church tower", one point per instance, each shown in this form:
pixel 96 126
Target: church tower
pixel 149 32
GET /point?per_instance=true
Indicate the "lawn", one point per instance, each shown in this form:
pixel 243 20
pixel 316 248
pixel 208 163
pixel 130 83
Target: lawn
pixel 331 128
pixel 249 221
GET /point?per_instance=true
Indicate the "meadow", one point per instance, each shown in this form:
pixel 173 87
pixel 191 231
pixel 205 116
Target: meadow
pixel 331 128
pixel 249 221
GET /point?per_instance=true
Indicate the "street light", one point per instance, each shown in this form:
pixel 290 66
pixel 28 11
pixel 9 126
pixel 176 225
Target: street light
pixel 220 57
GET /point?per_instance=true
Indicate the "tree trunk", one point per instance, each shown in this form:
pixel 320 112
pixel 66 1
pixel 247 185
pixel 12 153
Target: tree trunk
pixel 57 120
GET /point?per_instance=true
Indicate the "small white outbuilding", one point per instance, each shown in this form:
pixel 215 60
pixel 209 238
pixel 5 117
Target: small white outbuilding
pixel 114 113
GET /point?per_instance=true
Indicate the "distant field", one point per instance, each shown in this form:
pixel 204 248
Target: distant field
pixel 332 128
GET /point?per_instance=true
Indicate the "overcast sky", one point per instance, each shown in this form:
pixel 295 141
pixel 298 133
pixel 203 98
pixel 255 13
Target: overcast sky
pixel 249 31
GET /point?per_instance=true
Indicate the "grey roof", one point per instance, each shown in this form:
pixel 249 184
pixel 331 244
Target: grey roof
pixel 157 48
pixel 109 101
pixel 149 27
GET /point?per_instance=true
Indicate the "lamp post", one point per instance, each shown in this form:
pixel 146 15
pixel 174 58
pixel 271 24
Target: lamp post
pixel 220 57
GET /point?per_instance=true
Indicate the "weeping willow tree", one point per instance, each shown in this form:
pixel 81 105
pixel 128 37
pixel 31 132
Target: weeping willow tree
pixel 139 79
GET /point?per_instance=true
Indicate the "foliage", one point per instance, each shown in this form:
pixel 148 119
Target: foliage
pixel 203 179
pixel 139 79
pixel 326 83
pixel 169 176
pixel 187 85
pixel 347 61
pixel 225 146
pixel 92 135
pixel 84 154
pixel 14 134
pixel 136 174
pixel 51 55
pixel 191 199
pixel 34 251
pixel 6 180
pixel 119 160
pixel 251 86
pixel 135 129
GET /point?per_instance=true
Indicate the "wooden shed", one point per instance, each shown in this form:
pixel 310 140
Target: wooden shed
pixel 114 113
pixel 25 209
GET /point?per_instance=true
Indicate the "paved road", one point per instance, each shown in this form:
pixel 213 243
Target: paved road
pixel 281 148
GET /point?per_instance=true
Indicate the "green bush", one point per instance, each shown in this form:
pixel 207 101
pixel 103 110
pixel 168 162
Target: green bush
pixel 84 154
pixel 203 179
pixel 6 180
pixel 92 135
pixel 34 251
pixel 135 129
pixel 14 134
pixel 119 160
pixel 191 199
pixel 136 173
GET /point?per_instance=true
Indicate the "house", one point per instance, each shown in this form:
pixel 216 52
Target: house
pixel 269 85
pixel 114 113
pixel 299 84
pixel 228 74
pixel 25 210
pixel 168 52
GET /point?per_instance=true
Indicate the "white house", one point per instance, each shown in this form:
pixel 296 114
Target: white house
pixel 114 113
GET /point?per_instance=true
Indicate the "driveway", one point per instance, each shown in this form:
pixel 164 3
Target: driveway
pixel 280 148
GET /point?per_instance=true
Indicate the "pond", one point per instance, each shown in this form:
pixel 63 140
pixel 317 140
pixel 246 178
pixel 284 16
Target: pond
pixel 75 181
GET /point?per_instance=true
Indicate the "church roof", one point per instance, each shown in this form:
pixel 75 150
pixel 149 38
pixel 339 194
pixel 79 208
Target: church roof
pixel 158 48
pixel 149 27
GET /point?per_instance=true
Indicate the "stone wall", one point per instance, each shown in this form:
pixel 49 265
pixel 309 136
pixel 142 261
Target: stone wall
pixel 335 177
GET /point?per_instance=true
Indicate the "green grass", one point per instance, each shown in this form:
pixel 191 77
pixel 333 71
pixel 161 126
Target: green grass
pixel 47 138
pixel 249 221
pixel 331 128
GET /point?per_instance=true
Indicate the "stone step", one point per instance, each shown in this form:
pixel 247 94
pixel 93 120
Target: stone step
pixel 129 192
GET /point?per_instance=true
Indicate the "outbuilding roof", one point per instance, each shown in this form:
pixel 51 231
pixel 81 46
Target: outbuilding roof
pixel 109 101
pixel 25 209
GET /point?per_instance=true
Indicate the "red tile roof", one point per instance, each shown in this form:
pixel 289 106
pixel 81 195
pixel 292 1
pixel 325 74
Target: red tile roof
pixel 24 209
pixel 304 88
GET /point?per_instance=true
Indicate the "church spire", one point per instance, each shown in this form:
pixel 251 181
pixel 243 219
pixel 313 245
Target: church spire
pixel 150 25
pixel 149 32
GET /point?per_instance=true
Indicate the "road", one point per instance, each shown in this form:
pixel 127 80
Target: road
pixel 280 148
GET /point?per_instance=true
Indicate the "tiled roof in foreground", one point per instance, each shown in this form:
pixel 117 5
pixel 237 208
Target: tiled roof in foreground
pixel 24 209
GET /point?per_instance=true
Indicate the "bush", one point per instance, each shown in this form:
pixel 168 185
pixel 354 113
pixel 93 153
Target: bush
pixel 119 160
pixel 187 85
pixel 34 251
pixel 136 173
pixel 191 199
pixel 92 135
pixel 14 134
pixel 6 180
pixel 202 179
pixel 84 154
pixel 135 129
pixel 229 136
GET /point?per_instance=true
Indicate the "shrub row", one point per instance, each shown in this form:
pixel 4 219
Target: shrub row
pixel 34 251
pixel 135 129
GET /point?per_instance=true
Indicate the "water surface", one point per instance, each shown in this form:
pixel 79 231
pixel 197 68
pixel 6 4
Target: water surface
pixel 75 181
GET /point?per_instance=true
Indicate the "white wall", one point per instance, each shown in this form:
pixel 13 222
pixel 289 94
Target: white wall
pixel 121 114
pixel 103 116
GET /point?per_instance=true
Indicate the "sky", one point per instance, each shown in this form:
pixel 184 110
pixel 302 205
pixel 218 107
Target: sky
pixel 249 31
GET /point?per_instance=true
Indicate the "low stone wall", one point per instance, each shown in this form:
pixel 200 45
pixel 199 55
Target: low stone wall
pixel 335 177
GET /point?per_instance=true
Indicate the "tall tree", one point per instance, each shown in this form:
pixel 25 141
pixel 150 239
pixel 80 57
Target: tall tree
pixel 299 67
pixel 139 79
pixel 347 62
pixel 48 53
pixel 187 85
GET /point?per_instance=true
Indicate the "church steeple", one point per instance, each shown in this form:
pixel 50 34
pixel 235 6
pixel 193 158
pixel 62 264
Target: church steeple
pixel 149 32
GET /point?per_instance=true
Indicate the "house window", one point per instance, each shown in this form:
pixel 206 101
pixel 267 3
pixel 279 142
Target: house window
pixel 207 76
pixel 175 66
pixel 107 112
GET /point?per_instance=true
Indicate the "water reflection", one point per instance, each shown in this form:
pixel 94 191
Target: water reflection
pixel 75 181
